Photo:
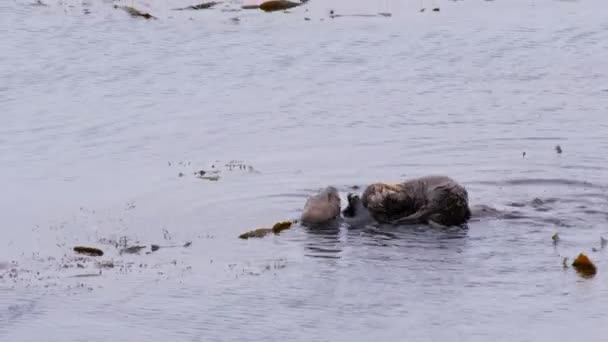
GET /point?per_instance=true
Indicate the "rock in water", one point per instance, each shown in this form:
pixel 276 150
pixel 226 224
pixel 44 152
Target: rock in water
pixel 322 207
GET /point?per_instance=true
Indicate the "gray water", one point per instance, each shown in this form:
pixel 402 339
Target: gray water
pixel 100 112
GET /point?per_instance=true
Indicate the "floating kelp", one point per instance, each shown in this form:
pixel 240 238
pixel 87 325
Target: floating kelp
pixel 135 12
pixel 279 5
pixel 258 233
pixel 262 232
pixel 91 251
pixel 558 149
pixel 105 264
pixel 281 226
pixel 39 3
pixel 131 250
pixel 584 266
pixel 154 248
pixel 361 15
pixel 204 5
pixel 213 178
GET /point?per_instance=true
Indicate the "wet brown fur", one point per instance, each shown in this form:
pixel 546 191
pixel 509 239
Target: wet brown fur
pixel 439 199
pixel 322 207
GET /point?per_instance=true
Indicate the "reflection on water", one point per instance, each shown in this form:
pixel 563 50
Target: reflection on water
pixel 97 107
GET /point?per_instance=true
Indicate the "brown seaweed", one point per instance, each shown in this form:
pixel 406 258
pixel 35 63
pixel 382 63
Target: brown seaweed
pixel 91 251
pixel 279 5
pixel 135 12
pixel 204 5
pixel 584 266
pixel 276 229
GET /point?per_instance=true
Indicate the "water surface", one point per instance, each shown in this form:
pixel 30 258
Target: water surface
pixel 99 109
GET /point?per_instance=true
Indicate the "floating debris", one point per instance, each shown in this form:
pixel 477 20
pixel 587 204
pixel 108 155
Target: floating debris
pixel 154 248
pixel 39 3
pixel 135 12
pixel 213 178
pixel 584 266
pixel 131 250
pixel 91 251
pixel 565 262
pixel 436 9
pixel 86 275
pixel 558 149
pixel 105 264
pixel 555 238
pixel 204 5
pixel 333 15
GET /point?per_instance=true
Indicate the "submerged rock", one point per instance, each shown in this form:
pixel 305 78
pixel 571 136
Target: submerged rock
pixel 91 251
pixel 584 266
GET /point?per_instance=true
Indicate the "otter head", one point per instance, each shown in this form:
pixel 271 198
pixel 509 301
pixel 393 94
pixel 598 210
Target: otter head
pixel 387 202
pixel 322 207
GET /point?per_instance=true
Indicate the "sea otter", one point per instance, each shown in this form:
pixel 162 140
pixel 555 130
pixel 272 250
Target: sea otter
pixel 429 199
pixel 322 207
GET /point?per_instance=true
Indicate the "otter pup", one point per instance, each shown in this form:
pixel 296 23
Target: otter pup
pixel 429 199
pixel 322 207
